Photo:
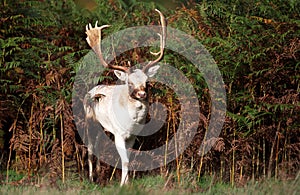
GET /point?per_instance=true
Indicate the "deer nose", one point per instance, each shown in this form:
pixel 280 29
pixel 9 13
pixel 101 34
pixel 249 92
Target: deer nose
pixel 141 94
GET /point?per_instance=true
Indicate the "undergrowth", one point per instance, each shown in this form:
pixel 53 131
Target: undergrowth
pixel 156 185
pixel 255 44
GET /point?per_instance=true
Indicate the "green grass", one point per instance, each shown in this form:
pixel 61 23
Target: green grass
pixel 154 185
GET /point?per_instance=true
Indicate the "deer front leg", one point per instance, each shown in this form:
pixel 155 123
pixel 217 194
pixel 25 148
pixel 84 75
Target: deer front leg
pixel 122 146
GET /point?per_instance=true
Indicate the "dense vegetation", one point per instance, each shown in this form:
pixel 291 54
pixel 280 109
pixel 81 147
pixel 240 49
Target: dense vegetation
pixel 255 43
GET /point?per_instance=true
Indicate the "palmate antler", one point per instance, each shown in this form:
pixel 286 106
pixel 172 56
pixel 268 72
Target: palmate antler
pixel 94 40
pixel 162 36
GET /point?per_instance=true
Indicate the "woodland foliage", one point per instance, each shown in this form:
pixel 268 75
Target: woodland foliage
pixel 255 43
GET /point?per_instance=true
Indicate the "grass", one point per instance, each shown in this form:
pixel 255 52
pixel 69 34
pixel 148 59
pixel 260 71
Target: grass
pixel 156 185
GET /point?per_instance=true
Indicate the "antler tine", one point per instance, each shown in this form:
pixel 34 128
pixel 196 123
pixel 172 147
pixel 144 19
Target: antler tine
pixel 162 41
pixel 94 41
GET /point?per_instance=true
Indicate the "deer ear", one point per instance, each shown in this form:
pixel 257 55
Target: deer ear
pixel 152 71
pixel 121 75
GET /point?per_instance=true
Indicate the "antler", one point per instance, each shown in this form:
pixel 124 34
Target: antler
pixel 94 40
pixel 162 36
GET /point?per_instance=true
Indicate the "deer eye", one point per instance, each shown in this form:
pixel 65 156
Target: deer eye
pixel 131 86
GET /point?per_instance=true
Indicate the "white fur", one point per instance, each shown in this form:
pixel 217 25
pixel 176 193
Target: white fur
pixel 119 113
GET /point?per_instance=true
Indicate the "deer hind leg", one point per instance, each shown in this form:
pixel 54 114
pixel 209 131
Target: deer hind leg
pixel 97 145
pixel 122 146
pixel 92 145
pixel 90 162
pixel 129 144
pixel 88 116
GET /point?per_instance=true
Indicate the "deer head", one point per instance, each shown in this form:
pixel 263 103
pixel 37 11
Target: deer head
pixel 135 79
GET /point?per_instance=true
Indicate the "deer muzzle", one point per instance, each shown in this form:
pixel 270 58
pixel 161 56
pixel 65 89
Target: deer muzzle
pixel 139 93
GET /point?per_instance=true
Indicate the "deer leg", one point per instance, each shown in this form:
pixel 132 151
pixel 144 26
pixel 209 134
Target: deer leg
pixel 122 146
pixel 90 152
pixel 97 145
pixel 129 144
pixel 90 162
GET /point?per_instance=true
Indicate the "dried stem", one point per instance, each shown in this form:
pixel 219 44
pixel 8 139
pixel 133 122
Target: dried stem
pixel 62 147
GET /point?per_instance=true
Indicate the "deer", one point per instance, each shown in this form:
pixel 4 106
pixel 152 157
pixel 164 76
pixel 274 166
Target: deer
pixel 121 109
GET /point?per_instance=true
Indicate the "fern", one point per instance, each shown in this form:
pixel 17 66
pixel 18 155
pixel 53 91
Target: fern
pixel 255 44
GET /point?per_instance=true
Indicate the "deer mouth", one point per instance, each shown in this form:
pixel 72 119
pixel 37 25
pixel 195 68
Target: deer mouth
pixel 139 95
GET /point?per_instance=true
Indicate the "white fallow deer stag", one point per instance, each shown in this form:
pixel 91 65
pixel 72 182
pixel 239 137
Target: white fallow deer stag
pixel 121 109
